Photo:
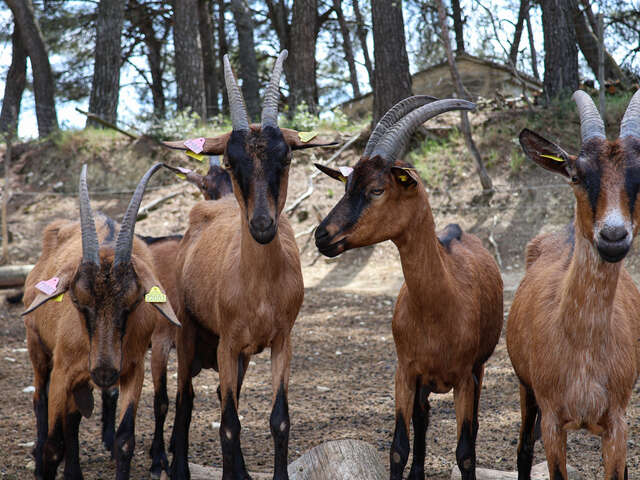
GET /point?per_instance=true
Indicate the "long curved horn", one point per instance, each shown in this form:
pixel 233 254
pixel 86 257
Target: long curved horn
pixel 239 117
pixel 394 114
pixel 272 94
pixel 396 138
pixel 630 125
pixel 124 243
pixel 591 124
pixel 90 246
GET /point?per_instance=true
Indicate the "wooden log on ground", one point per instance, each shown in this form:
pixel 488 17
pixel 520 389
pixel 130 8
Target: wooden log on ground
pixel 538 472
pixel 14 275
pixel 200 472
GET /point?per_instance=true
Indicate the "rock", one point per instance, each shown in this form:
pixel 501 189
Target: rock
pixel 538 472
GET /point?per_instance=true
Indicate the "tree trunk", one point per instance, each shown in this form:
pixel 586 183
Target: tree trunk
pixel 223 49
pixel 43 81
pixel 188 57
pixel 348 48
pixel 105 87
pixel 362 36
pixel 302 56
pixel 392 81
pixel 458 25
pixel 485 180
pixel 590 15
pixel 532 47
pixel 517 35
pixel 247 58
pixel 588 43
pixel 14 85
pixel 207 38
pixel 560 50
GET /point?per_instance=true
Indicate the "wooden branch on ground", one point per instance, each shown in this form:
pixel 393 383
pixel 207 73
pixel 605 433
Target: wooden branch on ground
pixel 14 275
pixel 144 211
pixel 106 123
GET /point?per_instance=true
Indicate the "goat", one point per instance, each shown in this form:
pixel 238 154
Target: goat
pixel 239 278
pixel 214 185
pixel 573 328
pixel 448 315
pixel 95 332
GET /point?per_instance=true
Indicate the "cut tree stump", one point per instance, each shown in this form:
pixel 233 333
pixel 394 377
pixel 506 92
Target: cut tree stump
pixel 538 472
pixel 14 275
pixel 336 460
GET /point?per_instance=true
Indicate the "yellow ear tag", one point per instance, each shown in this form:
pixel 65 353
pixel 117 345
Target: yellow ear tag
pixel 59 297
pixel 181 176
pixel 155 295
pixel 343 179
pixel 307 136
pixel 553 157
pixel 198 156
pixel 403 178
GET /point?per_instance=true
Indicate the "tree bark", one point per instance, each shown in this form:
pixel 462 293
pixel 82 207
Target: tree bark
pixel 485 180
pixel 105 87
pixel 362 36
pixel 14 85
pixel 223 49
pixel 43 81
pixel 210 72
pixel 348 47
pixel 392 81
pixel 517 35
pixel 302 56
pixel 532 47
pixel 188 57
pixel 590 15
pixel 247 58
pixel 560 50
pixel 458 25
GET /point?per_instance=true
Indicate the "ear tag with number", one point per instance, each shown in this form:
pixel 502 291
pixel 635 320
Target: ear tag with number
pixel 155 295
pixel 307 136
pixel 59 297
pixel 48 286
pixel 195 144
pixel 553 157
pixel 198 156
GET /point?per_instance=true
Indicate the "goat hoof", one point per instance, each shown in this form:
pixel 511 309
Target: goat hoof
pixel 180 472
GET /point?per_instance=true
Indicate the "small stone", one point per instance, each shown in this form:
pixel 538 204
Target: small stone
pixel 26 444
pixel 29 389
pixel 215 425
pixel 323 389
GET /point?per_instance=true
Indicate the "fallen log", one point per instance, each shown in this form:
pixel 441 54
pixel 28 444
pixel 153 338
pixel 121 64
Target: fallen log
pixel 538 472
pixel 14 275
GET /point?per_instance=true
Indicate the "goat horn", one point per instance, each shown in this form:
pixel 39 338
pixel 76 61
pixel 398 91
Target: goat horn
pixel 591 124
pixel 396 138
pixel 272 94
pixel 630 125
pixel 124 243
pixel 394 114
pixel 239 118
pixel 90 245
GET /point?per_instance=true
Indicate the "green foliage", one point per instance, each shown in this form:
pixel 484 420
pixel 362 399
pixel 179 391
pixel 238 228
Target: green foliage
pixel 303 120
pixel 185 124
pixel 517 159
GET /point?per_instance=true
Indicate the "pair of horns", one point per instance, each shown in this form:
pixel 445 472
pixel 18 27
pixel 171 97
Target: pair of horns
pixel 124 243
pixel 392 133
pixel 239 117
pixel 591 124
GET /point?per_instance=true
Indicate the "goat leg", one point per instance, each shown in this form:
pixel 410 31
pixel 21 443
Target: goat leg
pixel 405 394
pixel 109 403
pixel 614 447
pixel 279 420
pixel 41 372
pixel 420 425
pixel 554 438
pixel 72 448
pixel 131 386
pixel 159 359
pixel 529 413
pixel 465 395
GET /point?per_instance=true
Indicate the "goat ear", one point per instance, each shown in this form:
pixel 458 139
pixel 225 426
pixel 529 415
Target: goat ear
pixel 211 146
pixel 546 153
pixel 337 174
pixel 48 292
pixel 155 294
pixel 186 174
pixel 404 176
pixel 295 142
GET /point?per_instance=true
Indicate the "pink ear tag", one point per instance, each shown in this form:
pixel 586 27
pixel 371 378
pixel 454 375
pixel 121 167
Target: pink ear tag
pixel 195 144
pixel 345 171
pixel 48 286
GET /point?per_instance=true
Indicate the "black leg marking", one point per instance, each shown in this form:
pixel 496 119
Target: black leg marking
pixel 159 461
pixel 232 459
pixel 557 474
pixel 399 448
pixel 53 452
pixel 42 418
pixel 125 443
pixel 109 402
pixel 280 431
pixel 180 436
pixel 72 447
pixel 528 436
pixel 420 425
pixel 466 452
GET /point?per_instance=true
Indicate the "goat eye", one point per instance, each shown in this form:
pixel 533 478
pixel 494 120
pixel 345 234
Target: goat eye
pixel 575 179
pixel 377 192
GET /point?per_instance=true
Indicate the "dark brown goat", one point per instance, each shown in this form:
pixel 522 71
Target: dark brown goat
pixel 448 316
pixel 573 328
pixel 239 279
pixel 95 332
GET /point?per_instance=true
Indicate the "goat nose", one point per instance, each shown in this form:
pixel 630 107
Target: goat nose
pixel 321 233
pixel 261 223
pixel 104 376
pixel 613 233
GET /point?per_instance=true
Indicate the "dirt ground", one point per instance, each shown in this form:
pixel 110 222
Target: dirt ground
pixel 344 359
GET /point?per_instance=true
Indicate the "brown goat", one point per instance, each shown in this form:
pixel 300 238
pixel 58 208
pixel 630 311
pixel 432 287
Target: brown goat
pixel 239 279
pixel 95 333
pixel 214 185
pixel 448 315
pixel 573 328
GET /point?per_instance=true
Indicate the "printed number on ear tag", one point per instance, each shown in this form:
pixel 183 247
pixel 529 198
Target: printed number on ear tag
pixel 553 157
pixel 195 144
pixel 307 136
pixel 198 156
pixel 59 297
pixel 155 295
pixel 48 286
